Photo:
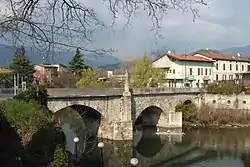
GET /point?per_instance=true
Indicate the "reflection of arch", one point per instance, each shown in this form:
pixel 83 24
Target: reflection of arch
pixel 149 116
pixel 93 120
pixel 149 150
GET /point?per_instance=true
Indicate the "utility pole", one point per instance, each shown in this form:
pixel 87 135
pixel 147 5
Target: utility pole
pixel 18 80
pixel 15 87
pixel 185 64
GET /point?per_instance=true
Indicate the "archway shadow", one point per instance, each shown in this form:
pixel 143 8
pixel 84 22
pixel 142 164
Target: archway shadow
pixel 148 118
pixel 186 102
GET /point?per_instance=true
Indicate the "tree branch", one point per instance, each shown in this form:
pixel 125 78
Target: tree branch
pixel 47 24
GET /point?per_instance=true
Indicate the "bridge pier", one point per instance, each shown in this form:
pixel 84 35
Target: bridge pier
pixel 123 130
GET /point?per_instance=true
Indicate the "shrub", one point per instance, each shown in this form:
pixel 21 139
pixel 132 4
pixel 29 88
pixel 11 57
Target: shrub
pixel 34 93
pixel 225 88
pixel 6 80
pixel 208 116
pixel 60 158
pixel 188 111
pixel 26 117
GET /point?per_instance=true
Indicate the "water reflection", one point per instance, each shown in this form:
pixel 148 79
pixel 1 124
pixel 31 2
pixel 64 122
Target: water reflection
pixel 198 148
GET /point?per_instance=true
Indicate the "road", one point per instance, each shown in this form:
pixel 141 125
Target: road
pixel 6 96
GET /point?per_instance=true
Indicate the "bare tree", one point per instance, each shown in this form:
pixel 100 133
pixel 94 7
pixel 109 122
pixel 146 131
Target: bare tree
pixel 72 23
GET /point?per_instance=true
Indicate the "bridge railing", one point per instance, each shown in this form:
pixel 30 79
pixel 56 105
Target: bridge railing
pixel 165 90
pixel 59 92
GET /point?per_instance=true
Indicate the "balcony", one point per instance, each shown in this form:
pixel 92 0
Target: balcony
pixel 190 78
pixel 174 76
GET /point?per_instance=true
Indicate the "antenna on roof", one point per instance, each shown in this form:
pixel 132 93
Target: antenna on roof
pixel 238 54
pixel 169 52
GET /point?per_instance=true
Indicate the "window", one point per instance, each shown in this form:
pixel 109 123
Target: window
pixel 224 77
pixel 242 67
pixel 190 71
pixel 231 77
pixel 230 67
pixel 173 71
pixel 210 72
pixel 224 66
pixel 236 67
pixel 217 66
pixel 217 77
pixel 206 71
pixel 199 72
pixel 248 67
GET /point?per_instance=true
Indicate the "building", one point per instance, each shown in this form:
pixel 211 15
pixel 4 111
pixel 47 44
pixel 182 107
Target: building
pixel 185 70
pixel 225 66
pixel 45 72
pixel 5 70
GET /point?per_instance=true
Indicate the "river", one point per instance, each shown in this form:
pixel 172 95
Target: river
pixel 196 148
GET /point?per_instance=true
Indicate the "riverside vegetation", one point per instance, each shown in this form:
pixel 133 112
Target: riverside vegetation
pixel 215 117
pixel 25 121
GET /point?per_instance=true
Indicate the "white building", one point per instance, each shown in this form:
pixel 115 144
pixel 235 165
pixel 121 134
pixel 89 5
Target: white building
pixel 186 70
pixel 226 67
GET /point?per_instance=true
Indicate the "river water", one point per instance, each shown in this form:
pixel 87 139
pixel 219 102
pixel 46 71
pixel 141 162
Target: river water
pixel 197 148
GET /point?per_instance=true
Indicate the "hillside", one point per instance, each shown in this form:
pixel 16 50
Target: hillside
pixel 96 61
pixel 243 50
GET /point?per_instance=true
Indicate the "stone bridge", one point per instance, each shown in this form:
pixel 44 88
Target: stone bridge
pixel 119 109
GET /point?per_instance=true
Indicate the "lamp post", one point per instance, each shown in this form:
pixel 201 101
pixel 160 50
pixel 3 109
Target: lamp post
pixel 101 145
pixel 134 161
pixel 76 140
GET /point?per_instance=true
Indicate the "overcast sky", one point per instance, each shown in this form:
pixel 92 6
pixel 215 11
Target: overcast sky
pixel 225 23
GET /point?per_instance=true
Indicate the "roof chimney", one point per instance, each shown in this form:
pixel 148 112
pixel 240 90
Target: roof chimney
pixel 169 52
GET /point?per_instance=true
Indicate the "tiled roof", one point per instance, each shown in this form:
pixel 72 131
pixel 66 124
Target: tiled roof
pixel 5 70
pixel 222 56
pixel 184 57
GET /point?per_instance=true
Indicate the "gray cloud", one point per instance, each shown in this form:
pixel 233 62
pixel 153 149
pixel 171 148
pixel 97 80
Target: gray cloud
pixel 224 24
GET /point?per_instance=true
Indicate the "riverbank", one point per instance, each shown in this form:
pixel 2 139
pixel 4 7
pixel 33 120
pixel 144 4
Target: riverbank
pixel 214 125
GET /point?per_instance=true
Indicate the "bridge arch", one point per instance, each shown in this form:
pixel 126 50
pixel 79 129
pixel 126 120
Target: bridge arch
pixel 187 101
pixel 84 118
pixel 150 116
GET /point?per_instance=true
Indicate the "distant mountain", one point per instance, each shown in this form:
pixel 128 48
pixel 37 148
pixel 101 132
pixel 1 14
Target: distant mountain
pixel 96 61
pixel 243 50
pixel 206 51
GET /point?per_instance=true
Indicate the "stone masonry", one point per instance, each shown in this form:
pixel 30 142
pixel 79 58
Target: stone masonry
pixel 121 107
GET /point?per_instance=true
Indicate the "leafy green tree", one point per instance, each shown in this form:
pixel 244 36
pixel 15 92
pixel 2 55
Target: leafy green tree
pixel 6 80
pixel 27 118
pixel 225 88
pixel 89 79
pixel 34 93
pixel 21 65
pixel 188 111
pixel 77 63
pixel 144 71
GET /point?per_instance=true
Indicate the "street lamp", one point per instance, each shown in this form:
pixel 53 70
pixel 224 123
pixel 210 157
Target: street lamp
pixel 76 140
pixel 134 161
pixel 101 145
